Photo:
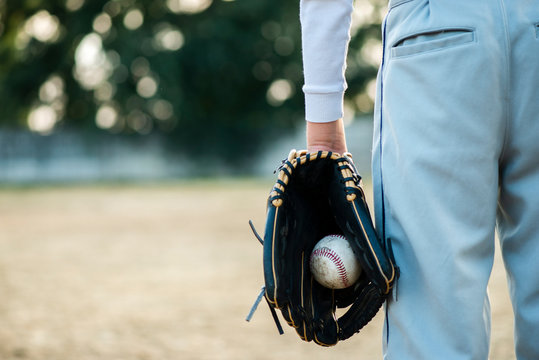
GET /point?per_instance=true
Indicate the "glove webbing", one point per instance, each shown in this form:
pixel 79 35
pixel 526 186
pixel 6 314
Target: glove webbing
pixel 350 177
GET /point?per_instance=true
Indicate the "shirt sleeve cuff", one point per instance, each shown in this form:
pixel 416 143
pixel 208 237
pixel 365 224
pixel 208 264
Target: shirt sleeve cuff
pixel 321 108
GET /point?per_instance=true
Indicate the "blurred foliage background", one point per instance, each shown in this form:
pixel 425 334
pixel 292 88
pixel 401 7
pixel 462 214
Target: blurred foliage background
pixel 210 77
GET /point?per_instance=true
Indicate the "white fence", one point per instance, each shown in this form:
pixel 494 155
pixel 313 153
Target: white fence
pixel 73 157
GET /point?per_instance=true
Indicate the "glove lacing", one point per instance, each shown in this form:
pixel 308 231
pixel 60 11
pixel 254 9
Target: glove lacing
pixel 351 178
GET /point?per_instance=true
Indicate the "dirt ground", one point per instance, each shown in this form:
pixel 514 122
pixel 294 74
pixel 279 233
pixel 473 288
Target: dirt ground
pixel 154 272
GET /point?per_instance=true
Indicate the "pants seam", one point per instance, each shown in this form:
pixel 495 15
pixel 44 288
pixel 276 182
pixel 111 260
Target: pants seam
pixel 507 82
pixel 382 197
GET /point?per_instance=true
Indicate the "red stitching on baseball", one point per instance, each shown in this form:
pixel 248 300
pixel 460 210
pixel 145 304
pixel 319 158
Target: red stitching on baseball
pixel 330 254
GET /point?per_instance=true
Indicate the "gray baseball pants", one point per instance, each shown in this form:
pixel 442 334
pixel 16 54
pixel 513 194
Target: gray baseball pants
pixel 456 155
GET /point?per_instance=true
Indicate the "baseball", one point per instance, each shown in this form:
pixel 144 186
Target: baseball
pixel 333 263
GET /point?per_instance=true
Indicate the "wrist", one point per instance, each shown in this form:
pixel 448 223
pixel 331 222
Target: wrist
pixel 328 136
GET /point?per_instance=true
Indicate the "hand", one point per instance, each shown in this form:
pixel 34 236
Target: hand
pixel 326 137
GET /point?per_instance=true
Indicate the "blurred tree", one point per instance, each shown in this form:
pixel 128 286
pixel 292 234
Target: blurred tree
pixel 216 77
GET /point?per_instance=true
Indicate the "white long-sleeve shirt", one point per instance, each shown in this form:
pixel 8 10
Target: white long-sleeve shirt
pixel 325 26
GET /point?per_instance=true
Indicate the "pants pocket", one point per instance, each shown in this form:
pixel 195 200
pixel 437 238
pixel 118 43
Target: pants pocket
pixel 432 40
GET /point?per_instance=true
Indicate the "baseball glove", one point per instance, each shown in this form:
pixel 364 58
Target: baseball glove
pixel 317 194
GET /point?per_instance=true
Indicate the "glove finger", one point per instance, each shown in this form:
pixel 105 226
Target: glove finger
pixel 289 318
pixel 295 318
pixel 304 332
pixel 325 326
pixel 274 248
pixel 359 230
pixel 365 307
pixel 299 299
pixel 287 239
pixel 315 316
pixel 303 310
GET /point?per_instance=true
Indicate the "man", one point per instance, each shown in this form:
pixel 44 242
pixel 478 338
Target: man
pixel 455 155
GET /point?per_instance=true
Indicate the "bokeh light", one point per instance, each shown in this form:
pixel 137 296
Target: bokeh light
pixel 188 6
pixel 147 86
pixel 168 38
pixel 133 19
pixel 43 26
pixel 140 122
pixel 371 52
pixel 284 45
pixel 52 89
pixel 105 91
pixel 371 90
pixel 106 117
pixel 279 91
pixel 74 5
pixel 92 65
pixel 140 66
pixel 102 23
pixel 161 109
pixel 42 119
pixel 44 115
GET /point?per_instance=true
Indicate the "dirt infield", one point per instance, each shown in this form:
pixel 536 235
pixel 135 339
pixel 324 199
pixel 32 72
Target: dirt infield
pixel 154 272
